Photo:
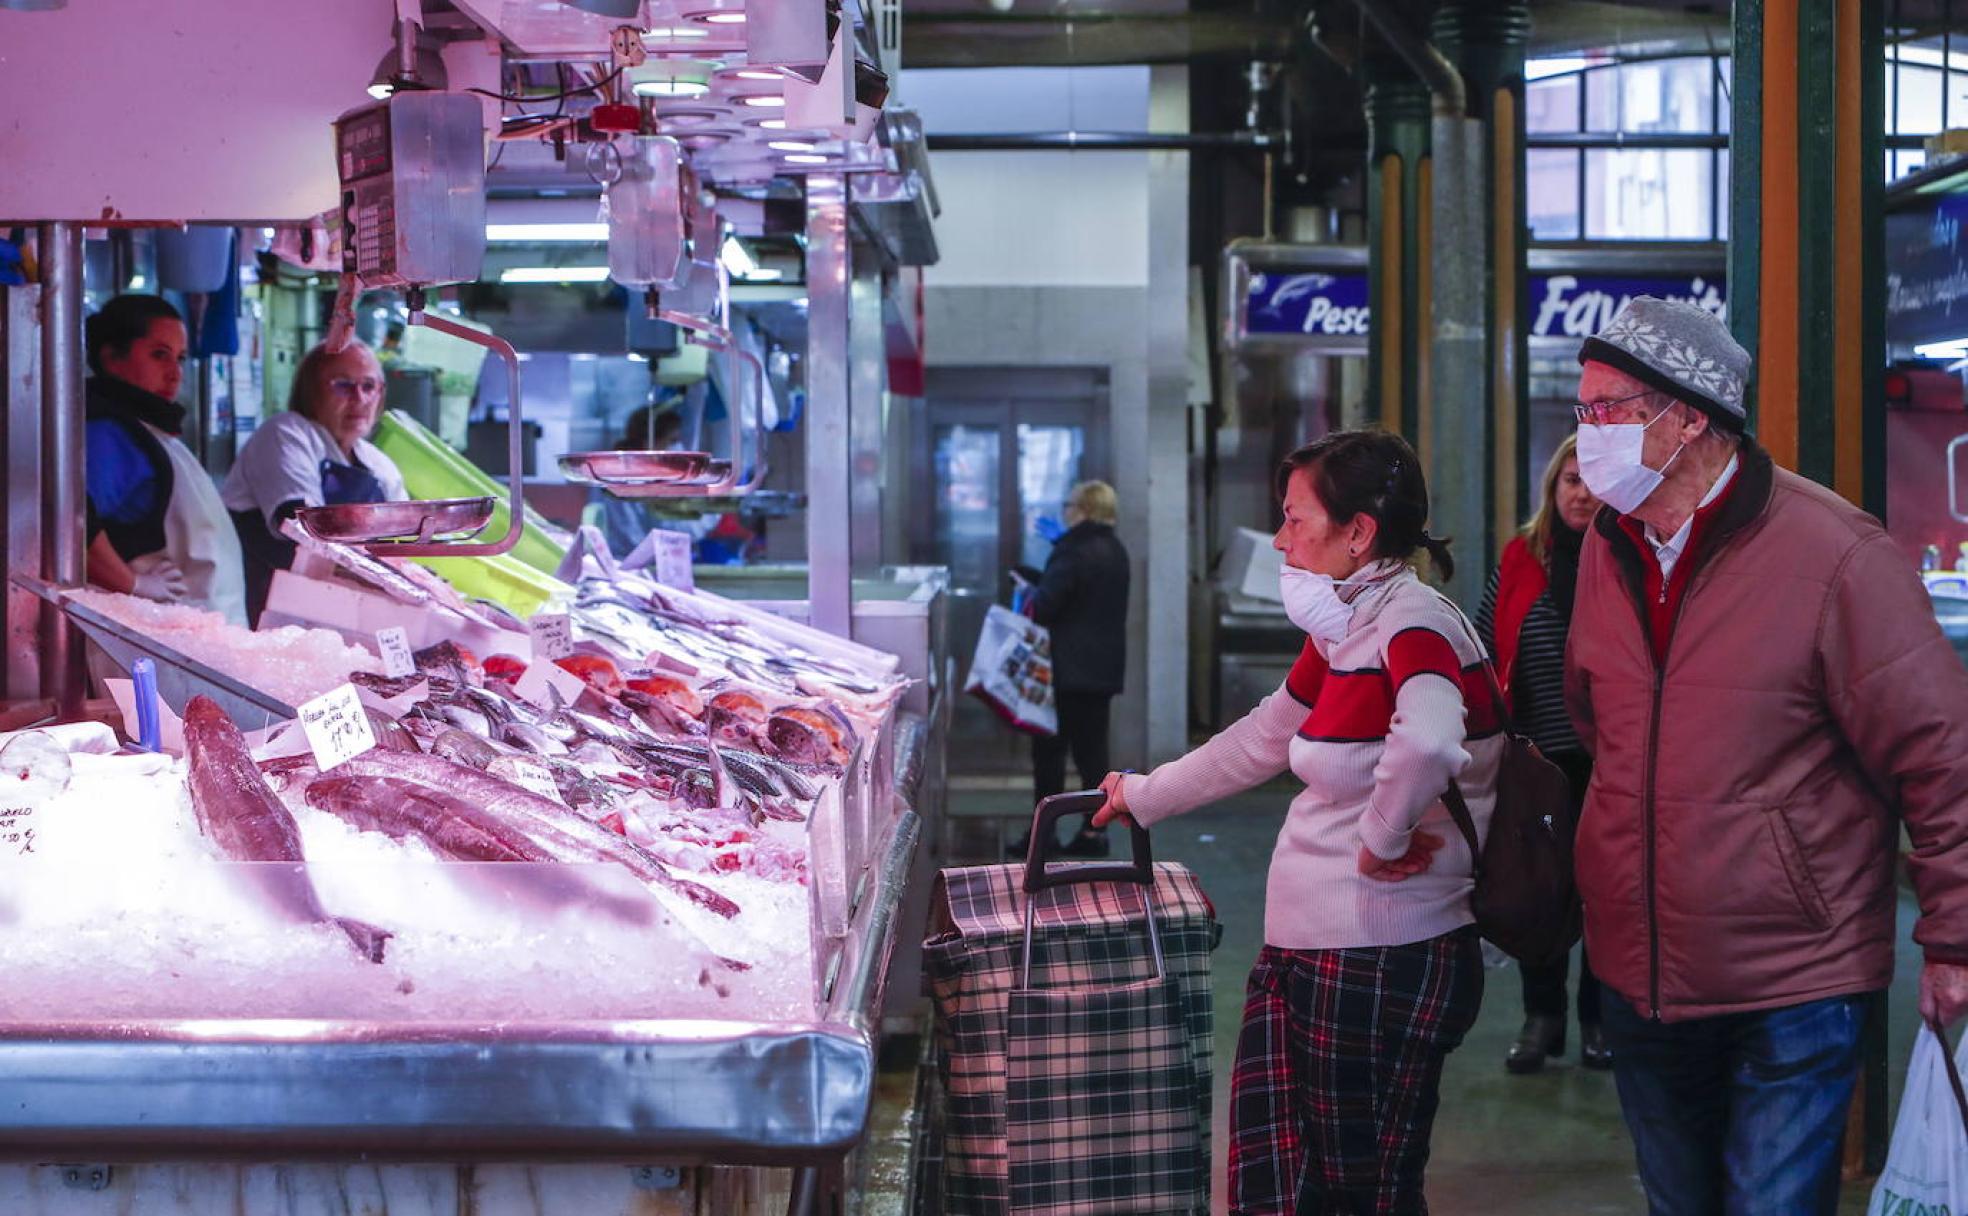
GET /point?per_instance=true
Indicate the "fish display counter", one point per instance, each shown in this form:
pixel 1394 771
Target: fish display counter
pixel 629 904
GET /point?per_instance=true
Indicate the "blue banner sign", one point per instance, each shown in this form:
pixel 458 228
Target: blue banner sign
pixel 1312 302
pixel 1927 273
pixel 1563 305
pixel 1580 305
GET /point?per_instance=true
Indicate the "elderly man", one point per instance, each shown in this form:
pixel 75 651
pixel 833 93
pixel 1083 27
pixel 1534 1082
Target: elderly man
pixel 1768 697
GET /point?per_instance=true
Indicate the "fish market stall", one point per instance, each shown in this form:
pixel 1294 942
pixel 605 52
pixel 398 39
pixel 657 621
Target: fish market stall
pixel 643 920
pixel 484 876
pixel 597 916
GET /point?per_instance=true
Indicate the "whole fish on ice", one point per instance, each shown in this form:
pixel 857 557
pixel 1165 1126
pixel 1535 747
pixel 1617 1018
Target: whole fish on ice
pixel 238 811
pixel 563 832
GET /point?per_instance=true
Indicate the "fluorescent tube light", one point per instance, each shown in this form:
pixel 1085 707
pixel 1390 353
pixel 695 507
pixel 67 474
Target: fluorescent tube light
pixel 554 274
pixel 546 232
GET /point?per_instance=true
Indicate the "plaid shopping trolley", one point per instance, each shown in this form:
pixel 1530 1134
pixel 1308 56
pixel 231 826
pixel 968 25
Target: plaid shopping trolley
pixel 1073 1033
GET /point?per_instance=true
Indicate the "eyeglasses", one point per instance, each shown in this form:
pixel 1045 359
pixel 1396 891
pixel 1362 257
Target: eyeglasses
pixel 368 386
pixel 1601 412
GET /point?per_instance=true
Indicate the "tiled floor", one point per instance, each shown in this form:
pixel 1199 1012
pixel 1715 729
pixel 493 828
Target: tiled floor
pixel 1551 1143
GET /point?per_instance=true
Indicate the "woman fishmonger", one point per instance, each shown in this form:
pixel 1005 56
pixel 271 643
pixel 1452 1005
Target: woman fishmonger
pixel 317 453
pixel 157 528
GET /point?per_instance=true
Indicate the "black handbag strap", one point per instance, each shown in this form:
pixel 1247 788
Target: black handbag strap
pixel 1452 797
pixel 1466 824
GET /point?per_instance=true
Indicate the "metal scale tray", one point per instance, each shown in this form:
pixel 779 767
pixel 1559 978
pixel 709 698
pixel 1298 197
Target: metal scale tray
pixel 179 676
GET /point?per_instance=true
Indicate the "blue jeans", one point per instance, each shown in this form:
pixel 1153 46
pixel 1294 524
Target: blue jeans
pixel 1743 1113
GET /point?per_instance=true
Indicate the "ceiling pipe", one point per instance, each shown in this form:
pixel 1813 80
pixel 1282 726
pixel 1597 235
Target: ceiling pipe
pixel 1105 141
pixel 1421 56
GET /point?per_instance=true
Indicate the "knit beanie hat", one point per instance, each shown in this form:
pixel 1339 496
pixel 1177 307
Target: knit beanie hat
pixel 1681 350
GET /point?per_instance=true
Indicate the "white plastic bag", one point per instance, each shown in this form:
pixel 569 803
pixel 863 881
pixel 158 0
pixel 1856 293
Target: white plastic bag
pixel 1012 671
pixel 1926 1170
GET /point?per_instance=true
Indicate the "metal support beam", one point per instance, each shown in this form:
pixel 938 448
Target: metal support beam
pixel 1108 141
pixel 20 459
pixel 829 277
pixel 1428 64
pixel 1398 187
pixel 1806 284
pixel 1806 254
pixel 867 377
pixel 64 678
pixel 1486 40
pixel 1453 425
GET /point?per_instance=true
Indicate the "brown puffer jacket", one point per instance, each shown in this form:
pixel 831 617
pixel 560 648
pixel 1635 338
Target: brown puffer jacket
pixel 1737 847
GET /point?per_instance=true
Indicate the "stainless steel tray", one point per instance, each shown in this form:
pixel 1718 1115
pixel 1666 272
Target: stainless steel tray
pixel 421 520
pixel 179 677
pixel 685 1092
pixel 631 470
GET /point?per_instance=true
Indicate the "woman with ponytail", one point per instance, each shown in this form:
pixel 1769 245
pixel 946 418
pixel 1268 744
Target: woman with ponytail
pixel 1371 972
pixel 1525 618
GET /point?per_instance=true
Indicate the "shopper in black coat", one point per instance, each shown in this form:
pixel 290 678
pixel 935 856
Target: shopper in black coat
pixel 1082 598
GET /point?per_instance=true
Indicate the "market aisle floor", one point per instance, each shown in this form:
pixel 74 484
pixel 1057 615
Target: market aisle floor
pixel 1551 1143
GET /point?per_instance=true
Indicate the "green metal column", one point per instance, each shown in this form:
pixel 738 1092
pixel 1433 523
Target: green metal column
pixel 1806 250
pixel 1398 108
pixel 1486 40
pixel 1807 290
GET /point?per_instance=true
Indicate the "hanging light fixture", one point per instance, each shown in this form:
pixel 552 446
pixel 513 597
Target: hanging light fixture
pixel 428 73
pixel 621 10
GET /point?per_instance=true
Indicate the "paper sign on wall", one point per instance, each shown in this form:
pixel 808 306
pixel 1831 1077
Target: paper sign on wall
pixel 553 635
pixel 394 645
pixel 337 727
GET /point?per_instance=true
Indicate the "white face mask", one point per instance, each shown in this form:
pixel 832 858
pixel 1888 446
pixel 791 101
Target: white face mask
pixel 1313 604
pixel 1609 456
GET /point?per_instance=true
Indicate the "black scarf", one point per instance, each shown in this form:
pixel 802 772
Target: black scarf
pixel 108 397
pixel 1563 562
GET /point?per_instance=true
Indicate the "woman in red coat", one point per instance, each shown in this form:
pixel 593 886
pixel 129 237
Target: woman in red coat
pixel 1526 614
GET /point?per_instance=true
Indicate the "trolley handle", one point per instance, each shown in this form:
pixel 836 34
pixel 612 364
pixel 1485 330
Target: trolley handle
pixel 1140 871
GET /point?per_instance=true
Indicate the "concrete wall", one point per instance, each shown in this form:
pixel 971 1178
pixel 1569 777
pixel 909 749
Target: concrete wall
pixel 193 110
pixel 1080 259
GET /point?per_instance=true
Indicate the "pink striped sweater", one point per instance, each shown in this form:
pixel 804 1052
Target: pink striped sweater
pixel 1375 730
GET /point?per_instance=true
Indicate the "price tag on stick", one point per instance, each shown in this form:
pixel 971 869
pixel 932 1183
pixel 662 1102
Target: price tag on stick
pixel 673 560
pixel 394 645
pixel 666 554
pixel 553 636
pixel 533 684
pixel 337 728
pixel 526 774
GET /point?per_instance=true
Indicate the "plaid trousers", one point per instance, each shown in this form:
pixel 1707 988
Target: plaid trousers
pixel 1338 1075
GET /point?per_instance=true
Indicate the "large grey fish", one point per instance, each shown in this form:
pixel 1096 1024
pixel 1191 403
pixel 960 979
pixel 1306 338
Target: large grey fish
pixel 239 813
pixel 452 827
pixel 563 832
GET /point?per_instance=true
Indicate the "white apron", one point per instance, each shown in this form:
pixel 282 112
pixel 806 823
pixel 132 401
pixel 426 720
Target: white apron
pixel 199 537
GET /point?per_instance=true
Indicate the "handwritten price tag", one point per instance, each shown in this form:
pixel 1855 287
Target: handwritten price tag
pixel 534 683
pixel 527 775
pixel 672 560
pixel 666 555
pixel 394 645
pixel 336 727
pixel 553 635
pixel 17 829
